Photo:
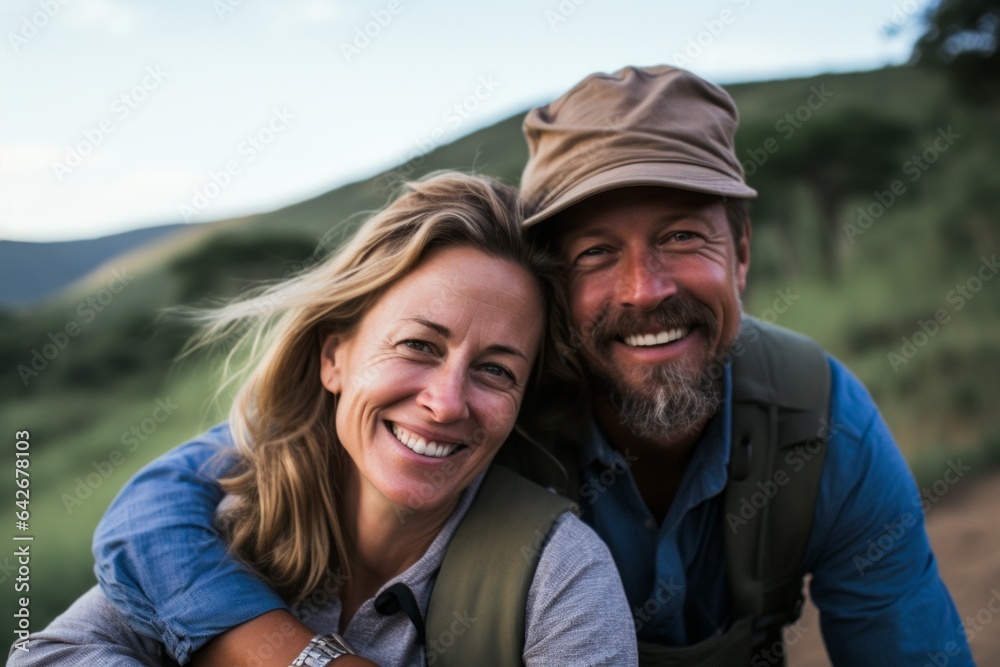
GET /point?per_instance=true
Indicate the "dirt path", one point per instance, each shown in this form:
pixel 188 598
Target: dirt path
pixel 964 529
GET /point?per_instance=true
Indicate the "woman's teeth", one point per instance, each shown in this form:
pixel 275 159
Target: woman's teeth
pixel 645 340
pixel 420 446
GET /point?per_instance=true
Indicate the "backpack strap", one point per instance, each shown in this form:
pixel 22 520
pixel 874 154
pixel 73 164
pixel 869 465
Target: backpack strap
pixel 781 398
pixel 476 611
pixel 549 462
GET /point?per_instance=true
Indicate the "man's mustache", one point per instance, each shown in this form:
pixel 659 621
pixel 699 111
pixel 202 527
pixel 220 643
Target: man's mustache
pixel 616 323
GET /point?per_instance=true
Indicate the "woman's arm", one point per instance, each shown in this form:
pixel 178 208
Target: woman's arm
pixel 161 562
pixel 274 639
pixel 577 613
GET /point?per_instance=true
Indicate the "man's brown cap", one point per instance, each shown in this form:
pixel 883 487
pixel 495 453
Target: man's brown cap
pixel 639 126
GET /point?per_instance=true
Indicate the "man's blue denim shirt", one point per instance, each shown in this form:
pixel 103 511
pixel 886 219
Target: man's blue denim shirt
pixel 656 560
pixel 160 561
pixel 873 574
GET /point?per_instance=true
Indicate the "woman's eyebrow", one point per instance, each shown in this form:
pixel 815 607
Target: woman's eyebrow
pixel 504 349
pixel 441 329
pixel 445 333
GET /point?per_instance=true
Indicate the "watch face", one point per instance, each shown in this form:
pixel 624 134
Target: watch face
pixel 322 650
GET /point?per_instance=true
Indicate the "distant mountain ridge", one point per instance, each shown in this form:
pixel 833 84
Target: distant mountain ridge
pixel 33 271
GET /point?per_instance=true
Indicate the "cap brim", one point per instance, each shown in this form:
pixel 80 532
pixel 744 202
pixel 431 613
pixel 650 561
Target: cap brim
pixel 679 176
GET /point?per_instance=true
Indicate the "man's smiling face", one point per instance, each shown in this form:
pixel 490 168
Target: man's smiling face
pixel 654 280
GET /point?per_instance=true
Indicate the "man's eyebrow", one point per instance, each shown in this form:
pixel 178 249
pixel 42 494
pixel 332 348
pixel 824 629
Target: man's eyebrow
pixel 573 237
pixel 607 229
pixel 695 213
pixel 445 332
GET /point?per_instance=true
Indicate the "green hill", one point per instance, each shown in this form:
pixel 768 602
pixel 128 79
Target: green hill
pixel 903 295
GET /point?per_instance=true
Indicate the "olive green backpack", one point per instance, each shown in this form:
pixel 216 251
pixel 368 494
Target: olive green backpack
pixel 781 395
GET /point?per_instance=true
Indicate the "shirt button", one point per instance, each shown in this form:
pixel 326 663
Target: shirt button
pixel 650 524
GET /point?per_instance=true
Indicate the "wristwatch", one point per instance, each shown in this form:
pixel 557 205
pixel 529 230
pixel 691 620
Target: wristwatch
pixel 322 650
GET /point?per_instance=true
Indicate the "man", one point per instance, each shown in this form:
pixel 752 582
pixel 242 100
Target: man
pixel 633 181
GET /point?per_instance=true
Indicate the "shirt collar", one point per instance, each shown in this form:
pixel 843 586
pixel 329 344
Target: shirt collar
pixel 707 473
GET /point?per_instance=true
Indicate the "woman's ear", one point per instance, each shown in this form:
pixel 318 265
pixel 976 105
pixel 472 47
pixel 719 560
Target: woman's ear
pixel 329 372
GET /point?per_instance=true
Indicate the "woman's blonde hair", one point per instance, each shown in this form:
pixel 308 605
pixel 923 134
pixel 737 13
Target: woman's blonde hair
pixel 287 478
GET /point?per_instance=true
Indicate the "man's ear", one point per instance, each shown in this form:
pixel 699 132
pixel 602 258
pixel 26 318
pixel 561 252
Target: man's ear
pixel 743 257
pixel 329 371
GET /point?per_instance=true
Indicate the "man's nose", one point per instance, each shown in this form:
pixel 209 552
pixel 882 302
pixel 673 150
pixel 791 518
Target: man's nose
pixel 445 395
pixel 645 281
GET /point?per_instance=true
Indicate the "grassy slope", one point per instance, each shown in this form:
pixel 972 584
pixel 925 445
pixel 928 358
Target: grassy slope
pixel 903 269
pixel 108 378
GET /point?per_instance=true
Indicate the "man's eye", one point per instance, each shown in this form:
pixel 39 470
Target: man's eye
pixel 682 236
pixel 596 251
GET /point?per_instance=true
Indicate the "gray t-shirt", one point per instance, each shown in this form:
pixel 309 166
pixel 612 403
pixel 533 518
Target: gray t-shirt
pixel 576 614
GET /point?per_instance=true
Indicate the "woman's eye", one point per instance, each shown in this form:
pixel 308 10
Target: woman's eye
pixel 417 345
pixel 497 370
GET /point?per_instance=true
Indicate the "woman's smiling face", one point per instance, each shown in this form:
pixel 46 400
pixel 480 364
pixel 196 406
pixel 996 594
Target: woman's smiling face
pixel 430 382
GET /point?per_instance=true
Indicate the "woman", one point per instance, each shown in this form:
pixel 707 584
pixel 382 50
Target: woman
pixel 389 377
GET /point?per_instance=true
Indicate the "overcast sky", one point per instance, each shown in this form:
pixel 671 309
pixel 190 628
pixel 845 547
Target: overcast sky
pixel 118 114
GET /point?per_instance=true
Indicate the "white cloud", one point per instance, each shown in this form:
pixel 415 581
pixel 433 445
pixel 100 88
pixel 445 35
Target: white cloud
pixel 27 156
pixel 110 16
pixel 108 192
pixel 292 18
pixel 317 11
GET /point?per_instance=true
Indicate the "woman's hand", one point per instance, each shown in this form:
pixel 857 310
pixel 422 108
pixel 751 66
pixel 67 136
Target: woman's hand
pixel 273 639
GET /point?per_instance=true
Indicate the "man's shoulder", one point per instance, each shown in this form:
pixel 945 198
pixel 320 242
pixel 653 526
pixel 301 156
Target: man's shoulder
pixel 775 366
pixel 91 631
pixel 851 407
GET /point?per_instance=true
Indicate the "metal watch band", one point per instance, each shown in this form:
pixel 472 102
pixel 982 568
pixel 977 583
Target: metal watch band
pixel 322 650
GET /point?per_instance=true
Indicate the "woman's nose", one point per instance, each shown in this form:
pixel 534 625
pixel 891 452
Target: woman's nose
pixel 445 395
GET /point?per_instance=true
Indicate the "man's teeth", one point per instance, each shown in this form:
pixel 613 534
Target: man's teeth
pixel 421 446
pixel 645 340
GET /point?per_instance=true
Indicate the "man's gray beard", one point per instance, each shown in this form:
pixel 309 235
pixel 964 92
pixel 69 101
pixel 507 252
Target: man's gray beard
pixel 668 402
